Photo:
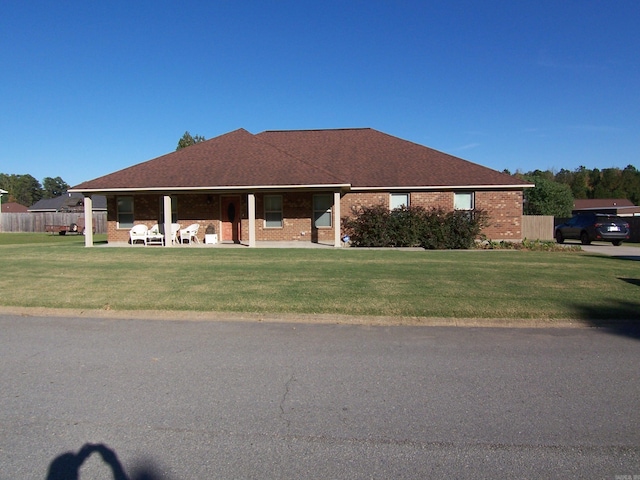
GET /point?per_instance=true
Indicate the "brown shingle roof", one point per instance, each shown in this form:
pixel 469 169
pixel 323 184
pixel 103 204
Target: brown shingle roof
pixel 235 159
pixel 585 203
pixel 369 158
pixel 13 207
pixel 357 157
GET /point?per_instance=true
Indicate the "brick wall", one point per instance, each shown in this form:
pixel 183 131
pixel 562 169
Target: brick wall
pixel 505 214
pixel 351 201
pixel 433 200
pixel 205 210
pixel 192 208
pixel 503 207
pixel 297 212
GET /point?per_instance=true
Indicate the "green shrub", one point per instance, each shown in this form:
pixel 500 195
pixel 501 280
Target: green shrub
pixel 413 227
pixel 368 227
pixel 405 227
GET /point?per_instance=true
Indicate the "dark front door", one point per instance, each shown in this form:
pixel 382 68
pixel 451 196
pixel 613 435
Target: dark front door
pixel 230 219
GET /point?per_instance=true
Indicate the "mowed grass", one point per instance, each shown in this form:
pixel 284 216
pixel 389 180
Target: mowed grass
pixel 59 272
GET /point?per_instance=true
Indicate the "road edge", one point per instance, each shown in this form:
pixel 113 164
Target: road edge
pixel 195 316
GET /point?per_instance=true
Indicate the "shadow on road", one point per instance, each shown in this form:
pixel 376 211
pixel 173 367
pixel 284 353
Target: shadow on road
pixel 620 318
pixel 67 466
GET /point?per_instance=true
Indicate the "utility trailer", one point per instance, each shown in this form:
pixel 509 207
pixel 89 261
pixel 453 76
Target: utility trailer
pixel 64 229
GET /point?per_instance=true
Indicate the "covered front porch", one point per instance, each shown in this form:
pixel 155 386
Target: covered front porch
pixel 240 245
pixel 309 217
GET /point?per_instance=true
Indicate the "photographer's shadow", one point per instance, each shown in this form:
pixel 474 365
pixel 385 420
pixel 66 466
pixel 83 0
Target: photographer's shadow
pixel 67 466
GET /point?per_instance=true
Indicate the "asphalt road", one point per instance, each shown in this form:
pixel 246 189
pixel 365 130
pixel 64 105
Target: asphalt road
pixel 201 400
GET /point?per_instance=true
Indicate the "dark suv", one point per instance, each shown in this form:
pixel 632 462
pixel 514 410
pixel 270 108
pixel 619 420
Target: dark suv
pixel 588 227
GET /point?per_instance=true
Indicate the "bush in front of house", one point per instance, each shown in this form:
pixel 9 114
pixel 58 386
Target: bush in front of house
pixel 375 227
pixel 413 227
pixel 463 228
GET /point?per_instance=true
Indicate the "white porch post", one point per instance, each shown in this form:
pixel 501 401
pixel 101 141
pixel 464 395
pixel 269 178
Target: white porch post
pixel 2 192
pixel 88 221
pixel 166 207
pixel 251 201
pixel 336 219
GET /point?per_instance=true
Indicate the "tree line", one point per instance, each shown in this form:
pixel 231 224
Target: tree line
pixel 555 192
pixel 27 190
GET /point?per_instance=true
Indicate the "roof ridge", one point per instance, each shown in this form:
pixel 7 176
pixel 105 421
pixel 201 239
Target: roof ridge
pixel 317 130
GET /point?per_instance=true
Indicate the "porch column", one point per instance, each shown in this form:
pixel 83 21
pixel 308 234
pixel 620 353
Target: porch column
pixel 251 203
pixel 166 207
pixel 2 192
pixel 88 221
pixel 336 219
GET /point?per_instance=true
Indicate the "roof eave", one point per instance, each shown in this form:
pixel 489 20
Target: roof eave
pixel 227 188
pixel 445 187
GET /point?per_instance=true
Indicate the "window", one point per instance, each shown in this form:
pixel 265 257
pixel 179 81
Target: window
pixel 273 211
pixel 174 210
pixel 125 212
pixel 463 201
pixel 398 200
pixel 322 210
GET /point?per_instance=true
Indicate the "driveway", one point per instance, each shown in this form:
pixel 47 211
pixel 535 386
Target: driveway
pixel 623 251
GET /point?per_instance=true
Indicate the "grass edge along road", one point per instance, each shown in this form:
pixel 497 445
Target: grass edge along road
pixel 388 285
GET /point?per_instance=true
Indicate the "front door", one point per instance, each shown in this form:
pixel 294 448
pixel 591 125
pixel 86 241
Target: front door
pixel 230 219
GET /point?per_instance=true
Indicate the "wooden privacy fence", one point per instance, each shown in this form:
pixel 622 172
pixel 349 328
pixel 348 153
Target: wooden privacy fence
pixel 537 227
pixel 37 221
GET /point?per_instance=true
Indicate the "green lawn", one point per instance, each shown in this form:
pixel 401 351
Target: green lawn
pixel 39 270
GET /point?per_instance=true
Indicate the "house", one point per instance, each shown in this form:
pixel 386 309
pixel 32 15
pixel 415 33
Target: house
pixel 13 207
pixel 614 206
pixel 297 185
pixel 69 202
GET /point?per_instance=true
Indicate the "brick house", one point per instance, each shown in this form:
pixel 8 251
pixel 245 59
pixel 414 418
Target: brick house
pixel 297 185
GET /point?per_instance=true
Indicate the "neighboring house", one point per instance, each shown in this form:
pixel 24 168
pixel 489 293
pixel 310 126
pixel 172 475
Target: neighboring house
pixel 297 185
pixel 614 206
pixel 69 202
pixel 13 207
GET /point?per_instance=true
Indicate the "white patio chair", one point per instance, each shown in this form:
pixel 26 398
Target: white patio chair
pixel 138 232
pixel 175 228
pixel 155 236
pixel 190 233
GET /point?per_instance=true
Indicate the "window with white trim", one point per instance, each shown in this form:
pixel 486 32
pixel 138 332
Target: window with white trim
pixel 398 200
pixel 322 210
pixel 463 201
pixel 273 211
pixel 125 212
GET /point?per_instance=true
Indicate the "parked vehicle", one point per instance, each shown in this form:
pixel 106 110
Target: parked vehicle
pixel 588 227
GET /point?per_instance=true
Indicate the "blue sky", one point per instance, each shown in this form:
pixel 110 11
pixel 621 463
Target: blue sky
pixel 88 88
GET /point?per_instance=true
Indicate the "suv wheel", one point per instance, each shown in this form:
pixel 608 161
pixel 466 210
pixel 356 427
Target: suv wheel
pixel 559 237
pixel 584 238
